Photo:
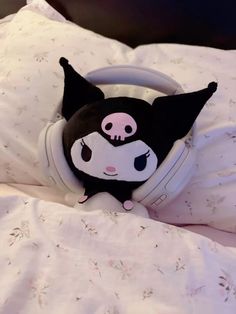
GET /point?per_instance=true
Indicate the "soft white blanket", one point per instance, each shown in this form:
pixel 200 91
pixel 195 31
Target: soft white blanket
pixel 59 259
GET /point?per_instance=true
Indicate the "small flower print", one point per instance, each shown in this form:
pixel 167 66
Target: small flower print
pixel 228 286
pixel 122 267
pixel 189 207
pixel 141 230
pixel 179 265
pixel 42 217
pixel 158 268
pixel 232 135
pixel 40 57
pixel 19 233
pixel 214 201
pixel 39 292
pixel 147 293
pixel 166 229
pixel 112 215
pixel 96 267
pixel 193 291
pixel 91 230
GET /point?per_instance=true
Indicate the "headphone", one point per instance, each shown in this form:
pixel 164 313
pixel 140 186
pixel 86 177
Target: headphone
pixel 170 177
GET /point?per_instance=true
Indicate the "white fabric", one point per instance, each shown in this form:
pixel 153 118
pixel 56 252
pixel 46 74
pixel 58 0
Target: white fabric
pixel 58 259
pixel 31 86
pixel 106 202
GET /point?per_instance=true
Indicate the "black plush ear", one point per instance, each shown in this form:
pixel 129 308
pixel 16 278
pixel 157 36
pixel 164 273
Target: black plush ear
pixel 77 91
pixel 176 114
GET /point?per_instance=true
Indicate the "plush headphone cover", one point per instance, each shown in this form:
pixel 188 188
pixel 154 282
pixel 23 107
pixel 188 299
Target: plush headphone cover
pixel 122 145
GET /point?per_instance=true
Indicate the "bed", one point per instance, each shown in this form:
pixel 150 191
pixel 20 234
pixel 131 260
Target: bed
pixel 96 258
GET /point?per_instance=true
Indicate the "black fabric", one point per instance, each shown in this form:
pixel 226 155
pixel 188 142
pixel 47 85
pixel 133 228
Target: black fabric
pixel 177 113
pixel 77 91
pixel 136 22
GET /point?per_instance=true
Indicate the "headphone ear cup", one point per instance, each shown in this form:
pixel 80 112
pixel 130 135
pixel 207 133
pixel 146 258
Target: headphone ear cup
pixel 54 166
pixel 169 179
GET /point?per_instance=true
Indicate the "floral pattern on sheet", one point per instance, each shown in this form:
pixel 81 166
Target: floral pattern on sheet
pixel 228 286
pixel 85 262
pixel 19 233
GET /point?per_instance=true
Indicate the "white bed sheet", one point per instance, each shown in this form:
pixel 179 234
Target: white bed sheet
pixel 57 196
pixel 58 259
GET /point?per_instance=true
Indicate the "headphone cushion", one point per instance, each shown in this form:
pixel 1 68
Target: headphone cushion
pixel 53 163
pixel 170 177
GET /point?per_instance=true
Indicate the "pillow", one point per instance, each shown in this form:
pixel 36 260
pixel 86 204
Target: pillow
pixel 31 80
pixel 31 87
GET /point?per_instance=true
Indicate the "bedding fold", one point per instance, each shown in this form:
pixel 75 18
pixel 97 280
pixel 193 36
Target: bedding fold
pixel 58 259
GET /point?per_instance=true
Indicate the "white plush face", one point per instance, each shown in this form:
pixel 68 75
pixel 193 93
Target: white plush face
pixel 94 155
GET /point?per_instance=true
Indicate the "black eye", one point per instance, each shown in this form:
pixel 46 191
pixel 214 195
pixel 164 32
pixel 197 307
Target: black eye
pixel 108 126
pixel 86 152
pixel 140 162
pixel 128 129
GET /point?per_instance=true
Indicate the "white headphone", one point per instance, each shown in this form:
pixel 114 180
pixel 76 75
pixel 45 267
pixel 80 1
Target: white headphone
pixel 171 176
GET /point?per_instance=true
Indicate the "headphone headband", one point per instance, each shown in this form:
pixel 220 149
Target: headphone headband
pixel 134 75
